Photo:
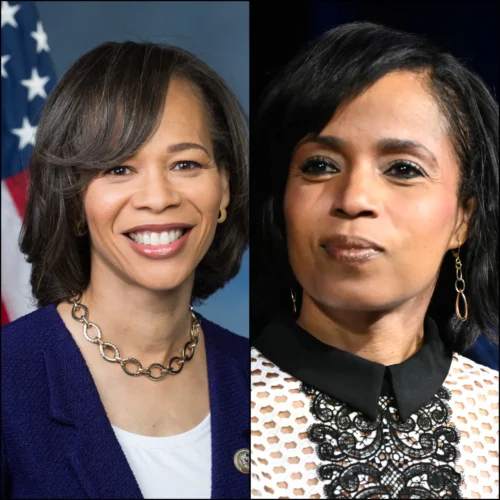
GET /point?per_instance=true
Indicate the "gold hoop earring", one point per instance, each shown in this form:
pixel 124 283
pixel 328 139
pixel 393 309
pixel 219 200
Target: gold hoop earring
pixel 294 301
pixel 222 215
pixel 460 287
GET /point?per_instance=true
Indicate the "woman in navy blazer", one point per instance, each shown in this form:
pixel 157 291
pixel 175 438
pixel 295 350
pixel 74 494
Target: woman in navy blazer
pixel 137 209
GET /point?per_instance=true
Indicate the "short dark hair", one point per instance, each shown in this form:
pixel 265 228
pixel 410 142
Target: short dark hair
pixel 332 70
pixel 107 105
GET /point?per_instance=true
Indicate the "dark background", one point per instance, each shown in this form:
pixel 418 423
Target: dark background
pixel 466 29
pixel 469 30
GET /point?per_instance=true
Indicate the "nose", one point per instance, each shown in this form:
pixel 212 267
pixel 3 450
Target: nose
pixel 356 193
pixel 157 192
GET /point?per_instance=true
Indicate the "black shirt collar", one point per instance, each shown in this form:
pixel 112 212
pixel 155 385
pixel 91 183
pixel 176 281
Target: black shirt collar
pixel 355 380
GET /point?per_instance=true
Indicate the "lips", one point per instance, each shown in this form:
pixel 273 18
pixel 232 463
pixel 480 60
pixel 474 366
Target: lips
pixel 159 251
pixel 158 228
pixel 346 242
pixel 158 240
pixel 351 249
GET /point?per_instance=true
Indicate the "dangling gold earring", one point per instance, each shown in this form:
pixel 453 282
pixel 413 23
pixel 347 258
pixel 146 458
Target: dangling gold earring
pixel 460 286
pixel 222 215
pixel 294 301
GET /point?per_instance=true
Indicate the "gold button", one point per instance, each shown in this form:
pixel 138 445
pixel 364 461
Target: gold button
pixel 242 460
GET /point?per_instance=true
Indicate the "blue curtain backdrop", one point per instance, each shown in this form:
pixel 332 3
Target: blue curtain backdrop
pixel 218 32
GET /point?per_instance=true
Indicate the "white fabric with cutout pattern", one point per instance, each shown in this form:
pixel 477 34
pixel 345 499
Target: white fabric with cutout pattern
pixel 284 459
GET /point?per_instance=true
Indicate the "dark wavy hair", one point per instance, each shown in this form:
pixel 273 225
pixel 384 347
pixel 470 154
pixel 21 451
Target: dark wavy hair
pixel 331 70
pixel 107 105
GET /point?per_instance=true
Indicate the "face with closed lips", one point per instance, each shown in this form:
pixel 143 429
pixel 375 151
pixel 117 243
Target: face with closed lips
pixel 360 179
pixel 173 179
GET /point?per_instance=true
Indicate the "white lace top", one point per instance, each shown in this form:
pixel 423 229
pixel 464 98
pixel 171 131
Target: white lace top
pixel 307 445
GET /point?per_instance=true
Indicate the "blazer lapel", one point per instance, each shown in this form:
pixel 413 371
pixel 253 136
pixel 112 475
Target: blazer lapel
pixel 93 452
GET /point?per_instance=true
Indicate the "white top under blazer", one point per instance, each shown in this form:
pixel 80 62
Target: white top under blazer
pixel 170 467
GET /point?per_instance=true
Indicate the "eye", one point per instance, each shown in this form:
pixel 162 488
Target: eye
pixel 405 170
pixel 318 166
pixel 117 171
pixel 186 165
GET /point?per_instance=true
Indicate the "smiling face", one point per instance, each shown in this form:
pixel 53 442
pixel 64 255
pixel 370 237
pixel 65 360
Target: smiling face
pixel 172 180
pixel 382 169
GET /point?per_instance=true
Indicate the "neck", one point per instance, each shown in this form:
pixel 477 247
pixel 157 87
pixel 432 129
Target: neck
pixel 388 337
pixel 149 325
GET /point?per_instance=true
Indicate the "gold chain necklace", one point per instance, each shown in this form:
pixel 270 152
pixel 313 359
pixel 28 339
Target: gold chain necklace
pixel 175 364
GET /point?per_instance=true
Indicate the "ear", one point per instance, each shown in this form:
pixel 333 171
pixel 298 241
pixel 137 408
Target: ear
pixel 461 232
pixel 224 178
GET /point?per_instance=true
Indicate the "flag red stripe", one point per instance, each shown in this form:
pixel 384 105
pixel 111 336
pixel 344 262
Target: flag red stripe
pixel 5 316
pixel 18 187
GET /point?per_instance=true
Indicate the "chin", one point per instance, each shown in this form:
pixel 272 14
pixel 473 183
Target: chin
pixel 351 298
pixel 157 286
pixel 159 283
pixel 352 305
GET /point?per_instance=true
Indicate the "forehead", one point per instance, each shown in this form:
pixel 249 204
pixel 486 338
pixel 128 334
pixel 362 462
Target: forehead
pixel 184 112
pixel 397 105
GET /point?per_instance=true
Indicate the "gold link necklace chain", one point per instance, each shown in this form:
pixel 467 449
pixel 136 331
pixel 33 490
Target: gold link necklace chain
pixel 174 366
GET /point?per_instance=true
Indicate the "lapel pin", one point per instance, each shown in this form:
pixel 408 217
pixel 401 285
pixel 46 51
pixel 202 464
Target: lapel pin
pixel 241 461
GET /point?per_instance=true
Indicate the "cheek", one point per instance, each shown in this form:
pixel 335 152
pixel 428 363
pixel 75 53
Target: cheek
pixel 422 230
pixel 101 205
pixel 206 193
pixel 300 208
pixel 290 204
pixel 429 219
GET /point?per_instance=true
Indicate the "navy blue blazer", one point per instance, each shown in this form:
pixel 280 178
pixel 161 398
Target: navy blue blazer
pixel 57 441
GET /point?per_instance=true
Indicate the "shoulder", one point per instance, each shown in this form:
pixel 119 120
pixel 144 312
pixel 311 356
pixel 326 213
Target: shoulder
pixel 225 348
pixel 466 367
pixel 265 373
pixel 484 352
pixel 220 336
pixel 474 413
pixel 281 420
pixel 256 357
pixel 468 379
pixel 27 344
pixel 31 332
pixel 259 361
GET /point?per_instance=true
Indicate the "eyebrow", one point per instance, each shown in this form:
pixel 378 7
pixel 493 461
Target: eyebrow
pixel 330 141
pixel 184 146
pixel 396 145
pixel 384 146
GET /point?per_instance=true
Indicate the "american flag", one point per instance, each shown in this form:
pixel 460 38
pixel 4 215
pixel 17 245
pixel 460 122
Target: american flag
pixel 27 78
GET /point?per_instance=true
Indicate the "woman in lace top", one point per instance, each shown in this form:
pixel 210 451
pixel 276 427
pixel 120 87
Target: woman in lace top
pixel 379 268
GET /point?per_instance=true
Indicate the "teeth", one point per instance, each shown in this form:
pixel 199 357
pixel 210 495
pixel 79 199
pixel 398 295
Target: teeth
pixel 151 238
pixel 155 239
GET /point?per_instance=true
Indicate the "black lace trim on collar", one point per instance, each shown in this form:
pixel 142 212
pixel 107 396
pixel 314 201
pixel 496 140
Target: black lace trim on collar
pixel 385 457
